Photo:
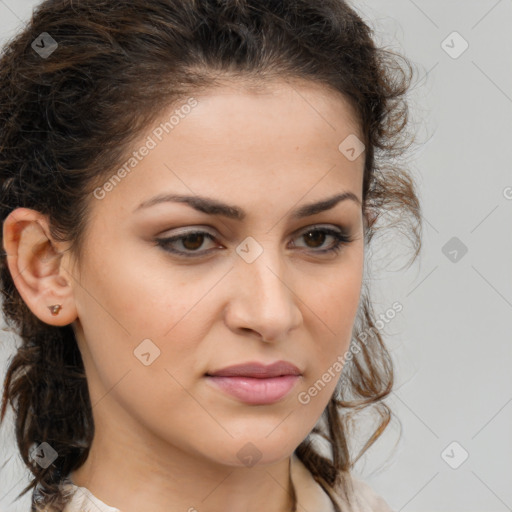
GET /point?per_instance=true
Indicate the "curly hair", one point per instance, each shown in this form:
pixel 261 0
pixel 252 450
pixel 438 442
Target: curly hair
pixel 68 120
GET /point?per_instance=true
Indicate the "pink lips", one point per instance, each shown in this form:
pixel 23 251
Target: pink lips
pixel 255 383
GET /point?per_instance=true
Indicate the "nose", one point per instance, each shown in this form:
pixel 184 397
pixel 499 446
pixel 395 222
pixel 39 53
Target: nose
pixel 263 299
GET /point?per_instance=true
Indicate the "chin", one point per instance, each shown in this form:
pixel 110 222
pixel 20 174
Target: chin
pixel 251 451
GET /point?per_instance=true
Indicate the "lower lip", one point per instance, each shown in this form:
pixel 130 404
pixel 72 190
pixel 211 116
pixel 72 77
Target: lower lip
pixel 256 391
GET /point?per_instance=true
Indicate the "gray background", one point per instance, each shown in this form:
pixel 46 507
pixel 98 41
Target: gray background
pixel 451 343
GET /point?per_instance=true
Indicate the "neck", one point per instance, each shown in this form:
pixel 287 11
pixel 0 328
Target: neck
pixel 132 475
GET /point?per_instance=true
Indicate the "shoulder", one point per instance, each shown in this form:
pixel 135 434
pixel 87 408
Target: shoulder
pixel 365 499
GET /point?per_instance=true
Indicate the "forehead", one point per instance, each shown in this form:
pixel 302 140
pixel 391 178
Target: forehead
pixel 242 140
pixel 299 97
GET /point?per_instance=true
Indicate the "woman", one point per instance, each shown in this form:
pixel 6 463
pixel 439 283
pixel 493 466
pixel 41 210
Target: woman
pixel 189 190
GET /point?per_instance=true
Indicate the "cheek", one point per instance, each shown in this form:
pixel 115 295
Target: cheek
pixel 130 318
pixel 128 310
pixel 337 312
pixel 135 294
pixel 335 306
pixel 336 298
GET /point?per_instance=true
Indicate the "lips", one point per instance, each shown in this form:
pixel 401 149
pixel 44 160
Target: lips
pixel 257 370
pixel 254 383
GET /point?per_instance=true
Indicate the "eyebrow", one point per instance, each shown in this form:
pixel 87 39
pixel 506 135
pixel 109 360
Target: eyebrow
pixel 213 207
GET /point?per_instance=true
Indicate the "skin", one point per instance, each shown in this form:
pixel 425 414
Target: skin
pixel 162 434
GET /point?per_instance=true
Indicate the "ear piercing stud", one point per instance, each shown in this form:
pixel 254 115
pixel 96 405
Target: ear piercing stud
pixel 55 309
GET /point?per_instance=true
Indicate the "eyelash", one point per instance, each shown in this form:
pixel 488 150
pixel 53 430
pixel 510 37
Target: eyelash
pixel 341 238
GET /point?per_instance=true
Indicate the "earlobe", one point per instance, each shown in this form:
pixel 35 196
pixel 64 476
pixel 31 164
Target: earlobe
pixel 38 267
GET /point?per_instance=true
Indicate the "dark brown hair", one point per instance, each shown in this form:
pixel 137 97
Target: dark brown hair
pixel 68 120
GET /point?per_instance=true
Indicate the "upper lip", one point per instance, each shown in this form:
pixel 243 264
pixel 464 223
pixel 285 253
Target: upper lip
pixel 258 370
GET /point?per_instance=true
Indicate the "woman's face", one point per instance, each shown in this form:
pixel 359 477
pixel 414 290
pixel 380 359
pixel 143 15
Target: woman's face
pixel 257 285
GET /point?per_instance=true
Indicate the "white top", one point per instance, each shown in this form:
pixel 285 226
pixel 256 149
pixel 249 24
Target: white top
pixel 310 495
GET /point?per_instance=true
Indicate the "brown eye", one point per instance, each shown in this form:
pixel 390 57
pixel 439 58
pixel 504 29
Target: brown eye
pixel 316 237
pixel 193 241
pixel 190 242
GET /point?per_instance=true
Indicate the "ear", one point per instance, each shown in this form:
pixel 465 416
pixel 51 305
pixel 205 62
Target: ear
pixel 38 265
